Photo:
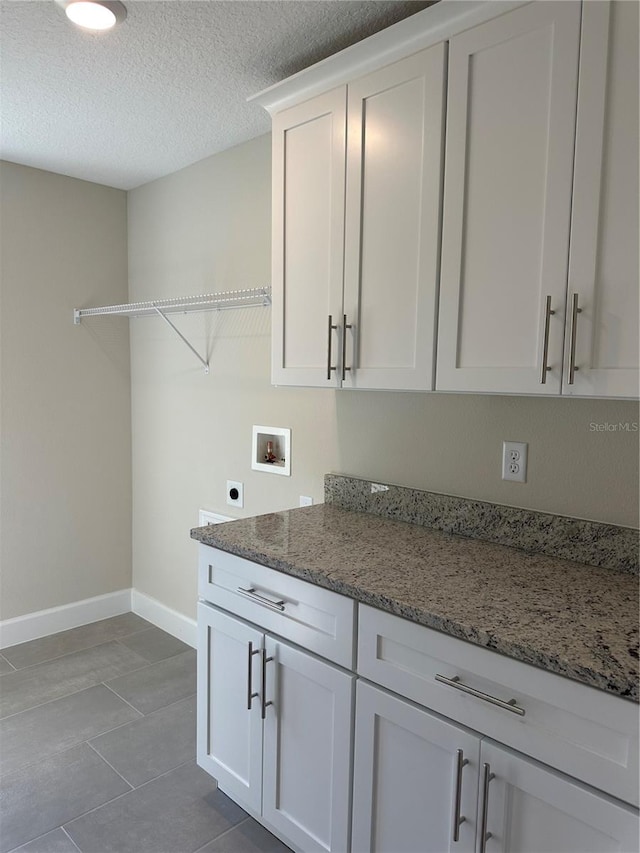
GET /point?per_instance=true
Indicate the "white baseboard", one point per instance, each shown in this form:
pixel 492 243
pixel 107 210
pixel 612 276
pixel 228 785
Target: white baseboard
pixel 164 617
pixel 31 626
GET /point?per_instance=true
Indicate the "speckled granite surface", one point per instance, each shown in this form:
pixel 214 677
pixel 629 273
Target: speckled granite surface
pixel 574 620
pixel 589 542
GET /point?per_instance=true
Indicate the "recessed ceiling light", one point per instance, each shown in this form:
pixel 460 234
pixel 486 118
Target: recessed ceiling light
pixel 94 14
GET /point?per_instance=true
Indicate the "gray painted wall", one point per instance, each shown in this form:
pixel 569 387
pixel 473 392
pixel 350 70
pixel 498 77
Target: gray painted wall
pixel 65 457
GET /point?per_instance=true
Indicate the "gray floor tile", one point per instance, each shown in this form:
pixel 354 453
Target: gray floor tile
pixel 48 729
pixel 155 644
pixel 5 666
pixel 247 837
pixel 159 684
pixel 152 745
pixel 45 682
pixel 84 637
pixel 53 842
pixel 178 813
pixel 40 798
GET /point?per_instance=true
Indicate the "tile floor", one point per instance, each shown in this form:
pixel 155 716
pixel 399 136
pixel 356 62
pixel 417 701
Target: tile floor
pixel 97 749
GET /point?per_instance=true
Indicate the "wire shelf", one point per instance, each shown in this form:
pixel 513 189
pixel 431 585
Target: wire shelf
pixel 247 298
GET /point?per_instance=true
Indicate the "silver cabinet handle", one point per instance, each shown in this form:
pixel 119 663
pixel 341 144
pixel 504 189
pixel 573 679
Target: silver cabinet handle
pixel 261 599
pixel 265 704
pixel 330 328
pixel 458 819
pixel 250 694
pixel 345 326
pixel 509 705
pixel 487 777
pixel 545 344
pixel 574 334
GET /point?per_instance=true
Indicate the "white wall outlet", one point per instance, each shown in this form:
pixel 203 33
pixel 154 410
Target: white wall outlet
pixel 514 461
pixel 305 500
pixel 235 493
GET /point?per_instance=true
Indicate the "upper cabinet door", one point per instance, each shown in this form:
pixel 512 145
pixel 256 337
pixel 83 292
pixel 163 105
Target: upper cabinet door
pixel 602 317
pixel 394 160
pixel 507 201
pixel 308 239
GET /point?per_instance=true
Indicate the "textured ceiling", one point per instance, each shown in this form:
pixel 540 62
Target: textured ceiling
pixel 164 89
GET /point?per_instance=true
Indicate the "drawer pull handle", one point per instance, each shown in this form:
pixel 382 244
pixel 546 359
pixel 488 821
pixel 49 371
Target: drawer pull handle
pixel 484 835
pixel 265 704
pixel 510 705
pixel 250 694
pixel 458 819
pixel 260 599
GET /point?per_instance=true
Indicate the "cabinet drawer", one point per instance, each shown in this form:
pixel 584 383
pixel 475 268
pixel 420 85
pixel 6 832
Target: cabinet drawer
pixel 314 618
pixel 582 731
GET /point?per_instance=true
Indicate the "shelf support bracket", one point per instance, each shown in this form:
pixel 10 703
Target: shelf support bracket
pixel 182 337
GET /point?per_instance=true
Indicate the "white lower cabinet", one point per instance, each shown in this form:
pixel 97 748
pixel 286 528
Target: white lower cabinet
pixel 412 786
pixel 425 785
pixel 274 728
pixel 455 749
pixel 532 809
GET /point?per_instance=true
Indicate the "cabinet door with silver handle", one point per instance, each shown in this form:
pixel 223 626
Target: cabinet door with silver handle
pixel 308 706
pixel 415 778
pixel 229 724
pixel 525 807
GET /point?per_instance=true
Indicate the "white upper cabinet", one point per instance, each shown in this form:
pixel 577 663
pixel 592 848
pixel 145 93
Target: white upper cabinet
pixel 364 317
pixel 601 358
pixel 498 254
pixel 394 158
pixel 507 201
pixel 308 238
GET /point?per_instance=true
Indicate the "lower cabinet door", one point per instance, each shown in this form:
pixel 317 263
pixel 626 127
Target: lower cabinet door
pixel 229 740
pixel 413 790
pixel 532 809
pixel 307 754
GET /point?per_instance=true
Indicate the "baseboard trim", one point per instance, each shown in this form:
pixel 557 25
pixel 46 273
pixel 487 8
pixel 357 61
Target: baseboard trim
pixel 32 626
pixel 164 617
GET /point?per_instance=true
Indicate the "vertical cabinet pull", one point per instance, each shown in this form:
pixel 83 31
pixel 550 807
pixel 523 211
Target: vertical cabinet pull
pixel 458 819
pixel 545 343
pixel 250 694
pixel 345 326
pixel 574 334
pixel 265 704
pixel 484 835
pixel 330 328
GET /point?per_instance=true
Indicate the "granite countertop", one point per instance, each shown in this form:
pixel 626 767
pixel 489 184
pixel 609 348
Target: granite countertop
pixel 575 620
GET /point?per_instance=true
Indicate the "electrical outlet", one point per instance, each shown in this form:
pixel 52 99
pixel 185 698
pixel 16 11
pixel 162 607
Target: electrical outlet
pixel 305 500
pixel 235 493
pixel 514 461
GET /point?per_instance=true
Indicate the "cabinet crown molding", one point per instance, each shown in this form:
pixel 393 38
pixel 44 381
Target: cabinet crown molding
pixel 430 26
